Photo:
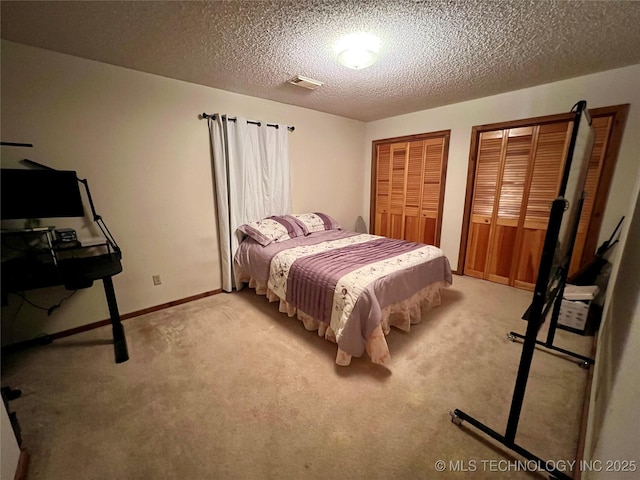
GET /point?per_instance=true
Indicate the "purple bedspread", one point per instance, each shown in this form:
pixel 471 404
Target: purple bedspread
pixel 312 279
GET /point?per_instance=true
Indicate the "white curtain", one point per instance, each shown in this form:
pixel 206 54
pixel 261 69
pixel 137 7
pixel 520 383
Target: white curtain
pixel 251 170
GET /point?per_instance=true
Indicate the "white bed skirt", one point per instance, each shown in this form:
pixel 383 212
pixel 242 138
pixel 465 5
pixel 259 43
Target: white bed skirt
pixel 400 315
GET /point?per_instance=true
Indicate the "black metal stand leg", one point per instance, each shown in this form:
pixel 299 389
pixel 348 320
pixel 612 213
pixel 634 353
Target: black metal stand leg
pixel 458 416
pixel 586 361
pixel 119 340
pixel 553 325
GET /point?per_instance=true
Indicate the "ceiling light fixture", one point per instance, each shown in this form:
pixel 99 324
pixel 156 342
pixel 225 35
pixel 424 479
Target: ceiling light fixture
pixel 358 50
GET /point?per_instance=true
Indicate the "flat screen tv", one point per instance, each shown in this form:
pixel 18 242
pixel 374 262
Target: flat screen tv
pixel 28 194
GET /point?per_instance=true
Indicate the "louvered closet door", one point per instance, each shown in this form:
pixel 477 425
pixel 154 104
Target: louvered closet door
pixel 484 194
pixel 430 222
pixel 517 176
pixel 414 184
pixel 551 142
pixel 399 152
pixel 511 181
pixel 408 189
pixel 390 193
pixel 381 207
pixel 422 201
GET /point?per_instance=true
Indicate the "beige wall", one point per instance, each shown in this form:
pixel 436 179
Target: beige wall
pixel 138 140
pixel 614 417
pixel 603 89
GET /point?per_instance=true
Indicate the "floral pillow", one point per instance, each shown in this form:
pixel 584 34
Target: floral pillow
pixel 316 222
pixel 277 228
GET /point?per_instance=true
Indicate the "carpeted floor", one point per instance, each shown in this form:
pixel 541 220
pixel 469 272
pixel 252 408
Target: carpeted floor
pixel 227 387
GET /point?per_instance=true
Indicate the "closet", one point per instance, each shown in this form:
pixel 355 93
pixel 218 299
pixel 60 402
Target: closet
pixel 514 174
pixel 407 186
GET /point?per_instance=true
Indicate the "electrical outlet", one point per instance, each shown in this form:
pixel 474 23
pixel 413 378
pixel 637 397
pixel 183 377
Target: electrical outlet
pixel 157 280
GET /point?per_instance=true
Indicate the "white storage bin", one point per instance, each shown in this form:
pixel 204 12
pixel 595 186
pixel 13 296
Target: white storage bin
pixel 573 314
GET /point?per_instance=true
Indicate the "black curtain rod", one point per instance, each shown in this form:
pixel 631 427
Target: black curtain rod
pixel 252 122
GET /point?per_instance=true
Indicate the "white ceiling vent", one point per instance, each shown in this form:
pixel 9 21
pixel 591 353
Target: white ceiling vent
pixel 305 82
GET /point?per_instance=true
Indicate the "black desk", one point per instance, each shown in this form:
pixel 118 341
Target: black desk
pixel 48 267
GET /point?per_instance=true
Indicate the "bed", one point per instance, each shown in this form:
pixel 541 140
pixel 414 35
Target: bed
pixel 349 287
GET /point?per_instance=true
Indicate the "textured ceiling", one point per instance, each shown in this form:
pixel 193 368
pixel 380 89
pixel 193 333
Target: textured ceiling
pixel 433 52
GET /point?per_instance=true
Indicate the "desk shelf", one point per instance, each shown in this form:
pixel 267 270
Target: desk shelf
pixel 33 264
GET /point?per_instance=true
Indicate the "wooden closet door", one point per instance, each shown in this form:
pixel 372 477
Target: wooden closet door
pixel 413 196
pixel 432 187
pixel 391 189
pixel 408 188
pixel 551 144
pixel 381 199
pixel 513 174
pixel 484 194
pixel 517 177
pixel 398 182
